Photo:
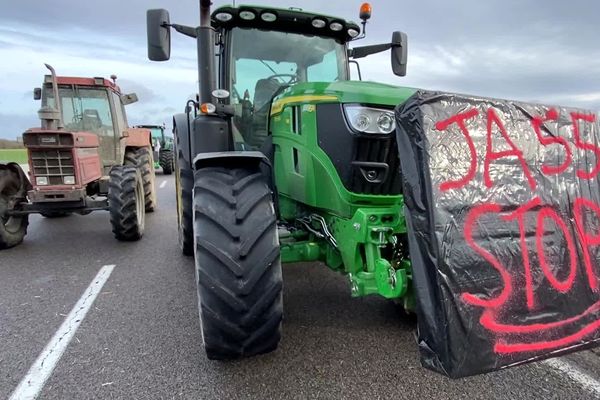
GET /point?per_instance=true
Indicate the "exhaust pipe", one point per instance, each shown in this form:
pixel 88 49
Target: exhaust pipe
pixel 51 117
pixel 205 13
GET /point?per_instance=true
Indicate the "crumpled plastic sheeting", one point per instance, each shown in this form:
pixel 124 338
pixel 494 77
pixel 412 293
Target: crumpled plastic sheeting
pixel 506 258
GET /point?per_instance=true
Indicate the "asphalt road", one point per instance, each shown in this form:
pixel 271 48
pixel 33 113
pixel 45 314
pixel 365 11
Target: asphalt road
pixel 141 338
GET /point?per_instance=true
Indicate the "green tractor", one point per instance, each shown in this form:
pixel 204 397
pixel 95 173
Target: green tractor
pixel 284 159
pixel 163 148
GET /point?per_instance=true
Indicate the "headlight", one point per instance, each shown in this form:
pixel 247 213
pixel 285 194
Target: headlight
pixel 224 17
pixel 247 15
pixel 41 180
pixel 370 120
pixel 268 17
pixel 69 180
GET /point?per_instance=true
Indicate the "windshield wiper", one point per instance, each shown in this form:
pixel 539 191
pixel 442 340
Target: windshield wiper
pixel 268 66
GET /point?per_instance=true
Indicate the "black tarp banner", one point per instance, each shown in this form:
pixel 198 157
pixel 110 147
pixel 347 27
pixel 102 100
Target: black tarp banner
pixel 503 209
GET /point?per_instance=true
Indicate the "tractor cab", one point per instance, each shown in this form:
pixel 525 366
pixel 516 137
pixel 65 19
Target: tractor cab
pixel 159 138
pixel 264 53
pixel 162 144
pixel 93 105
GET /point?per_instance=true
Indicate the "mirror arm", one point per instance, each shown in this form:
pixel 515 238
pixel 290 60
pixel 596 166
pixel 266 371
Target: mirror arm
pixel 183 29
pixel 363 51
pixel 357 67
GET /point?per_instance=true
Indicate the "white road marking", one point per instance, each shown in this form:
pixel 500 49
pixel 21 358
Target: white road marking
pixel 163 184
pixel 585 380
pixel 33 383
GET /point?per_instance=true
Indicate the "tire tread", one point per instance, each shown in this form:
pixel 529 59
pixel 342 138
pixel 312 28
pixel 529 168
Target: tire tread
pixel 122 203
pixel 237 262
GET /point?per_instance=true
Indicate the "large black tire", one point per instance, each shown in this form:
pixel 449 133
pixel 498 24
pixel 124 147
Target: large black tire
pixel 12 228
pixel 166 161
pixel 126 203
pixel 238 265
pixel 141 157
pixel 184 185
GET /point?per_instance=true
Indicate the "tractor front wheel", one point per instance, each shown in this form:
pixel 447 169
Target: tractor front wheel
pixel 238 265
pixel 142 158
pixel 126 203
pixel 166 161
pixel 12 228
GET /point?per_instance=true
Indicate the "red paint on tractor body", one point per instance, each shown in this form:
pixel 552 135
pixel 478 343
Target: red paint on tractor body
pixel 77 81
pixel 83 147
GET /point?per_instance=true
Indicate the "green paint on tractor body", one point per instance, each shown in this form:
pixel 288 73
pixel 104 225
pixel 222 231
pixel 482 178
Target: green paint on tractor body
pixel 355 229
pixel 366 229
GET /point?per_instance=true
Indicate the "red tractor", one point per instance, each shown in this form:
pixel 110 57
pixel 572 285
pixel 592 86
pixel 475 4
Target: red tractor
pixel 83 158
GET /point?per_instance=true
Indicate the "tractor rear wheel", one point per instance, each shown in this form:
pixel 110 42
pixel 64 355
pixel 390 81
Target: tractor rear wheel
pixel 126 203
pixel 141 157
pixel 238 265
pixel 184 185
pixel 12 228
pixel 166 161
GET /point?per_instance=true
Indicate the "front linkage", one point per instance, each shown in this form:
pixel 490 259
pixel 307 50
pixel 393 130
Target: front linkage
pixel 370 248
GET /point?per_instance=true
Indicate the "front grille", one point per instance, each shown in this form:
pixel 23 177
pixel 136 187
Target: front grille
pixel 366 164
pixel 47 139
pixel 54 164
pixel 378 157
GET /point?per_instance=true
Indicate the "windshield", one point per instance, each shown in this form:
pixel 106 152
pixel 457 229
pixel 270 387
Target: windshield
pixel 83 109
pixel 265 62
pixel 283 58
pixel 156 133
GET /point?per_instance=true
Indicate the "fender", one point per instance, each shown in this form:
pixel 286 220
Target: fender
pixel 181 140
pixel 137 137
pixel 200 135
pixel 238 159
pixel 210 134
pixel 231 158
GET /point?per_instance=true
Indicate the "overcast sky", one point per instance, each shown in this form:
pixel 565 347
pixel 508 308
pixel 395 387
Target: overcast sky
pixel 532 50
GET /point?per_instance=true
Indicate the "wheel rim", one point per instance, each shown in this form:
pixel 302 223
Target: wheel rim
pixel 140 203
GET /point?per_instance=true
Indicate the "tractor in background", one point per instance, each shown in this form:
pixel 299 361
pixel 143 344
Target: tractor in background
pixel 83 158
pixel 162 144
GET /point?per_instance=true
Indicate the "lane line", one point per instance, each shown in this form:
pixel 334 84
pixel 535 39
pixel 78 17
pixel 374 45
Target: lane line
pixel 567 368
pixel 32 384
pixel 163 184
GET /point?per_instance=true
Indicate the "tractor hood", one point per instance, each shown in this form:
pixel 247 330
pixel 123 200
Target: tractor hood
pixel 370 93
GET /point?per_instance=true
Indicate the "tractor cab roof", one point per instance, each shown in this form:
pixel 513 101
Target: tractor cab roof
pixel 77 81
pixel 293 20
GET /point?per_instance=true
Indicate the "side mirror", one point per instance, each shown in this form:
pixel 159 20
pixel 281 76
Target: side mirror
pixel 159 34
pixel 129 98
pixel 399 53
pixel 37 93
